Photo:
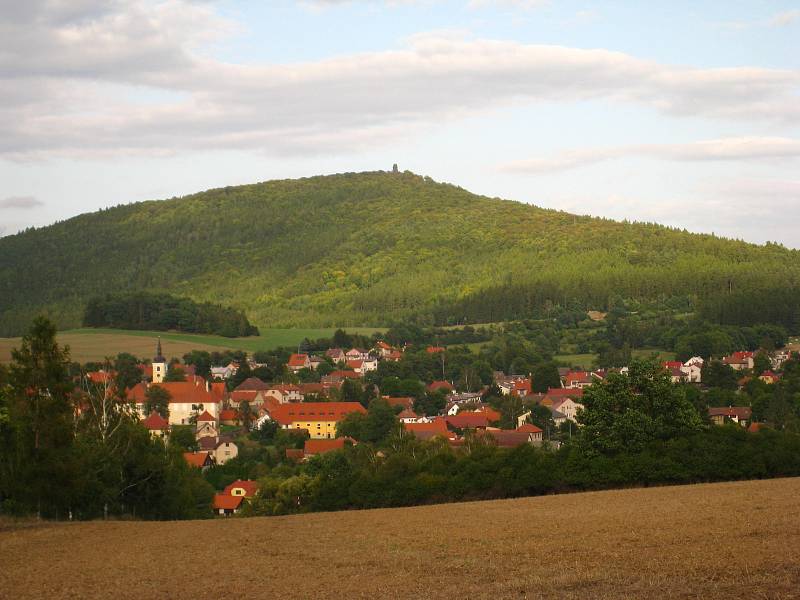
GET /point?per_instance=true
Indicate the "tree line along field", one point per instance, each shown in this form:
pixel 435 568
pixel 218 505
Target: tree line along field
pixel 96 344
pixel 725 540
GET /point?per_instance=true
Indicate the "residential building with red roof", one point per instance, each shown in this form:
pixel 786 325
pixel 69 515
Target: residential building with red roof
pixel 284 393
pixel 157 425
pixel 318 418
pixel 406 402
pixel 468 420
pixel 187 399
pixel 435 349
pixel 737 414
pixel 252 384
pixel 201 460
pixel 227 505
pixel 298 362
pixel 740 361
pixel 425 431
pixel 241 487
pixel 314 447
pixel 440 385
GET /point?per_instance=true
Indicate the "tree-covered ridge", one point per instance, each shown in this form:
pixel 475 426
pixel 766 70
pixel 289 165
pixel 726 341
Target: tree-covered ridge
pixel 162 312
pixel 367 249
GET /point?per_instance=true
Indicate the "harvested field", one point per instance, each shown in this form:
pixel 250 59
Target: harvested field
pixel 730 540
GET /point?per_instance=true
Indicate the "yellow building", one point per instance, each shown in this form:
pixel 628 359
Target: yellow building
pixel 318 418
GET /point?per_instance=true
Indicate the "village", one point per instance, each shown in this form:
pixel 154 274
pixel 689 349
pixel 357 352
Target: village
pixel 218 414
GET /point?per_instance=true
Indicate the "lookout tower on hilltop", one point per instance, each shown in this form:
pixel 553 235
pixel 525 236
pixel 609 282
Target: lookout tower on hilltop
pixel 395 169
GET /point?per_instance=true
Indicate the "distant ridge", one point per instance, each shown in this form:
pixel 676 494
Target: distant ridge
pixel 367 249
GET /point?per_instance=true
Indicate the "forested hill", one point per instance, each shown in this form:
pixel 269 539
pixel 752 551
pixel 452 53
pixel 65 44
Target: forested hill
pixel 367 249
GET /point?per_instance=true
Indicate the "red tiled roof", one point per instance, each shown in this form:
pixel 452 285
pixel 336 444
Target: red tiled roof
pixel 434 349
pixel 100 376
pixel 740 412
pixel 224 502
pixel 298 360
pixel 345 374
pixel 354 364
pixel 228 414
pixel 155 422
pixel 250 487
pixel 313 447
pixel 250 384
pixel 196 459
pixel 407 414
pixel 562 392
pixel 206 416
pixel 491 414
pixel 528 428
pixel 406 402
pixel 468 420
pixel 436 427
pixel 286 414
pixel 440 385
pixel 181 392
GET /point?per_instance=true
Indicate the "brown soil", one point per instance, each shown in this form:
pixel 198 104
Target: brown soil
pixel 731 540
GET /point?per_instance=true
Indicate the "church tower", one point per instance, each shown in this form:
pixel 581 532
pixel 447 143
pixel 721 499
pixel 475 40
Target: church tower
pixel 159 365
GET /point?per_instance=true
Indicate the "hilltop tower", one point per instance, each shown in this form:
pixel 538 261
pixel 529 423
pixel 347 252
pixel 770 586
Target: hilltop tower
pixel 159 365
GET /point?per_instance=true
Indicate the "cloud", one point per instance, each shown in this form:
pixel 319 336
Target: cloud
pixel 97 79
pixel 727 149
pixel 20 202
pixel 785 18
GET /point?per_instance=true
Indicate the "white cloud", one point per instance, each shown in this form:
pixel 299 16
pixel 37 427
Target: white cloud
pixel 98 78
pixel 20 202
pixel 785 18
pixel 727 149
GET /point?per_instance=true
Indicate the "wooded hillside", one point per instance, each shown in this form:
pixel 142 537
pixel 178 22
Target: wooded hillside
pixel 368 249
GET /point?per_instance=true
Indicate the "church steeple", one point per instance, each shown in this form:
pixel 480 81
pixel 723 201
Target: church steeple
pixel 159 356
pixel 159 364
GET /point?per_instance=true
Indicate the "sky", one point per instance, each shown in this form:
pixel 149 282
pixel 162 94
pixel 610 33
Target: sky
pixel 681 113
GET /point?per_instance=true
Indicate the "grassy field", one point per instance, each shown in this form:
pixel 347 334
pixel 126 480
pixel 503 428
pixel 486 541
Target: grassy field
pixel 95 344
pixel 730 540
pixel 585 361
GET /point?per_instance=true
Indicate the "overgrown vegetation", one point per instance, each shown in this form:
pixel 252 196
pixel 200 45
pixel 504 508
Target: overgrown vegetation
pixel 369 249
pixel 162 312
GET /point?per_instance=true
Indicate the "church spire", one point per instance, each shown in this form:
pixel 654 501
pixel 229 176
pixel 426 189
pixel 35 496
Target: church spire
pixel 159 356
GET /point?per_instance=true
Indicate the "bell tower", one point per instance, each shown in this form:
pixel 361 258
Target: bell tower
pixel 159 365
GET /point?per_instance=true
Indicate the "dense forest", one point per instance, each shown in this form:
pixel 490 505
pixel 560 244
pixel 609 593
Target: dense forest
pixel 162 312
pixel 371 249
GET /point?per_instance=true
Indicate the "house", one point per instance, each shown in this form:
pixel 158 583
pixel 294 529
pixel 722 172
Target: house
pixel 740 361
pixel 206 426
pixel 253 397
pixel 394 356
pixel 468 420
pixel 246 488
pixel 157 425
pixel 355 366
pixel 314 362
pixel 407 403
pixel 224 451
pixel 435 349
pixel 425 431
pixel 737 414
pixel 516 387
pixel 252 384
pixel 318 418
pixel 227 505
pixel 511 439
pixel 568 407
pixel 369 364
pixel 314 447
pixel 337 376
pixel 298 362
pixel 187 399
pixel 356 354
pixel 554 394
pixel 383 349
pixel 676 374
pixel 457 402
pixel 336 355
pixel 408 416
pixel 284 393
pixel 579 379
pixel 769 377
pixel 225 372
pixel 201 460
pixel 440 385
pixel 533 430
pixel 100 377
pixel 229 416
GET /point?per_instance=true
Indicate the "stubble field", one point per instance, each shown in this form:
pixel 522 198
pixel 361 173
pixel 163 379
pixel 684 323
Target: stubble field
pixel 730 540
